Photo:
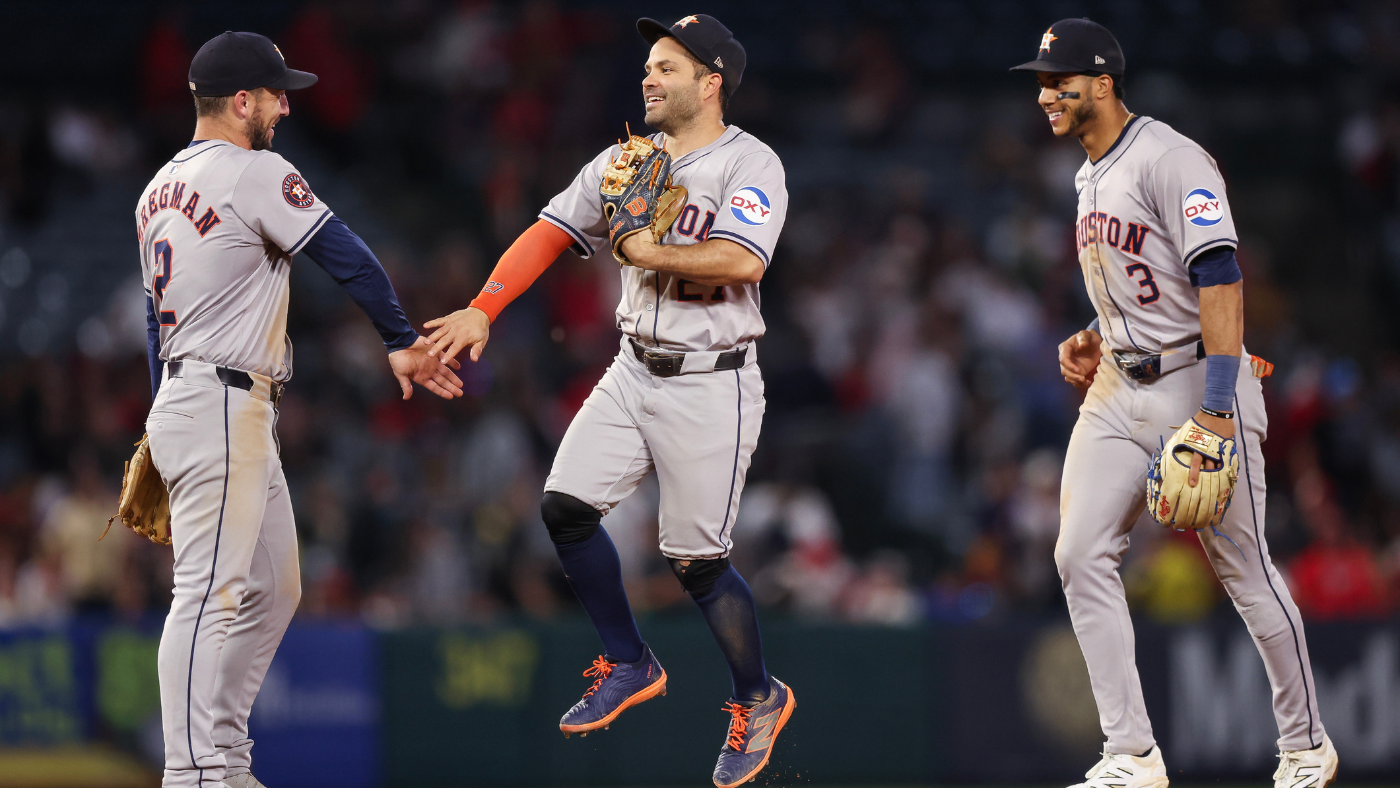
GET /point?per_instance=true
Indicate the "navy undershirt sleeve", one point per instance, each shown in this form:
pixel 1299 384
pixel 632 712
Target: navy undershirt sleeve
pixel 354 267
pixel 153 347
pixel 1216 266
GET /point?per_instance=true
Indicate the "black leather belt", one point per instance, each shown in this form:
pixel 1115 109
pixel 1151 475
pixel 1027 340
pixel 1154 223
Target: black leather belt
pixel 230 377
pixel 1148 366
pixel 665 364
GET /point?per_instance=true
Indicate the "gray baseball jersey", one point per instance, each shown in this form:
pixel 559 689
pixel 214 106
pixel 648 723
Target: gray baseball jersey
pixel 1152 203
pixel 697 430
pixel 737 191
pixel 1147 207
pixel 218 227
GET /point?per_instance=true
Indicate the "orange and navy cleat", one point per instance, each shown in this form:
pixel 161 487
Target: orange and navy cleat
pixel 753 730
pixel 617 686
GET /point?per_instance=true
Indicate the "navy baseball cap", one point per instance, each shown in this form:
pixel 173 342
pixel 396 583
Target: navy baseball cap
pixel 231 62
pixel 1077 46
pixel 709 41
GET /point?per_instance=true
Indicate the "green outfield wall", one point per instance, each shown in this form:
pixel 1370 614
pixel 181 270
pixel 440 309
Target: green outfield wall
pixel 348 707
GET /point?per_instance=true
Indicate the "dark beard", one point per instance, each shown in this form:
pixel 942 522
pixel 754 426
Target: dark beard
pixel 257 135
pixel 1079 116
pixel 680 112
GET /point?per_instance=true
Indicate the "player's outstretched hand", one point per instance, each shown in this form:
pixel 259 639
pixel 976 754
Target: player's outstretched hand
pixel 465 328
pixel 414 365
pixel 1079 358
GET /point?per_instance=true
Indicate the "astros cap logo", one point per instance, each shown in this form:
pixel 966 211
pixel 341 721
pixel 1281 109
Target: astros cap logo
pixel 685 21
pixel 279 52
pixel 1047 38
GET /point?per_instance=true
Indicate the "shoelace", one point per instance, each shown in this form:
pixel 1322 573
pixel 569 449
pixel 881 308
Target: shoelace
pixel 1108 759
pixel 602 669
pixel 1286 760
pixel 738 724
pixel 1096 768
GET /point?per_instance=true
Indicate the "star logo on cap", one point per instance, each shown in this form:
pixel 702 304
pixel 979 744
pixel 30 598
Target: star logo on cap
pixel 279 53
pixel 685 21
pixel 1047 38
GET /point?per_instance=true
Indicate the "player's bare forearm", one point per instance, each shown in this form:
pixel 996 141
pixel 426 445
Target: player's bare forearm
pixel 1222 331
pixel 713 262
pixel 1222 319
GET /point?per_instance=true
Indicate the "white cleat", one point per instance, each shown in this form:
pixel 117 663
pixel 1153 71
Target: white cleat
pixel 244 780
pixel 1117 770
pixel 1315 768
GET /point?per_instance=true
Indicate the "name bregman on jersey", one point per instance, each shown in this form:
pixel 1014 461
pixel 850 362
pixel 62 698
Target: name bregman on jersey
pixel 1099 227
pixel 168 197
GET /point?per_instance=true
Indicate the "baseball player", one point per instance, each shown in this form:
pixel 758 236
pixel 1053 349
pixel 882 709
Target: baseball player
pixel 218 227
pixel 684 396
pixel 1156 242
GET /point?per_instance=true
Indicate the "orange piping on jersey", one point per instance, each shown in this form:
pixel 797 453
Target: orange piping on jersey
pixel 535 250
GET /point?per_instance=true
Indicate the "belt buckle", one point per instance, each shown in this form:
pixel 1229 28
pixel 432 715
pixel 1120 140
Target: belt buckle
pixel 1139 366
pixel 663 365
pixel 274 392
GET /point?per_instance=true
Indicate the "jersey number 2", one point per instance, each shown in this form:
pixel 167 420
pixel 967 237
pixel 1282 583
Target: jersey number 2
pixel 1145 283
pixel 163 254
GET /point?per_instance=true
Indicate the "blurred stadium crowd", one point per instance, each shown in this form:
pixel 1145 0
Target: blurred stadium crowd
pixel 909 465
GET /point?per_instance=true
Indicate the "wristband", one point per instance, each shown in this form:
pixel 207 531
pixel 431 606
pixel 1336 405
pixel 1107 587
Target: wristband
pixel 1219 414
pixel 1221 373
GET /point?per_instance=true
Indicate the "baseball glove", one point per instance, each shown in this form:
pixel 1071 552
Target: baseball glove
pixel 1171 499
pixel 145 503
pixel 637 193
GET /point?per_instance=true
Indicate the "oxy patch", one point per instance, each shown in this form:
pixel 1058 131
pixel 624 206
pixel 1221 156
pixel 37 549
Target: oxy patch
pixel 1202 208
pixel 750 206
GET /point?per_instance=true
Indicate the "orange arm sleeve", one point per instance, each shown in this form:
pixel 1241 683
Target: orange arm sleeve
pixel 535 250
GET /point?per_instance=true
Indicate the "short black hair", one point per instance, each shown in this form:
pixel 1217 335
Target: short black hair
pixel 702 71
pixel 1117 82
pixel 207 106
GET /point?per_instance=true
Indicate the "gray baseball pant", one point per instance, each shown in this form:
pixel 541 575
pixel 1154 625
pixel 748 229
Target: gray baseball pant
pixel 1103 493
pixel 237 579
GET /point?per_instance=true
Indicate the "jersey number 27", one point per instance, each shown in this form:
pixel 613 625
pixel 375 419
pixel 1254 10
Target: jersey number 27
pixel 684 294
pixel 163 253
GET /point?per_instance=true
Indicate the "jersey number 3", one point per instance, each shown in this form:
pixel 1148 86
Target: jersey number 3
pixel 163 254
pixel 1145 283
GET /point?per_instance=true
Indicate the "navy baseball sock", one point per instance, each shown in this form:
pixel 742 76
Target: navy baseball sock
pixel 595 573
pixel 729 610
